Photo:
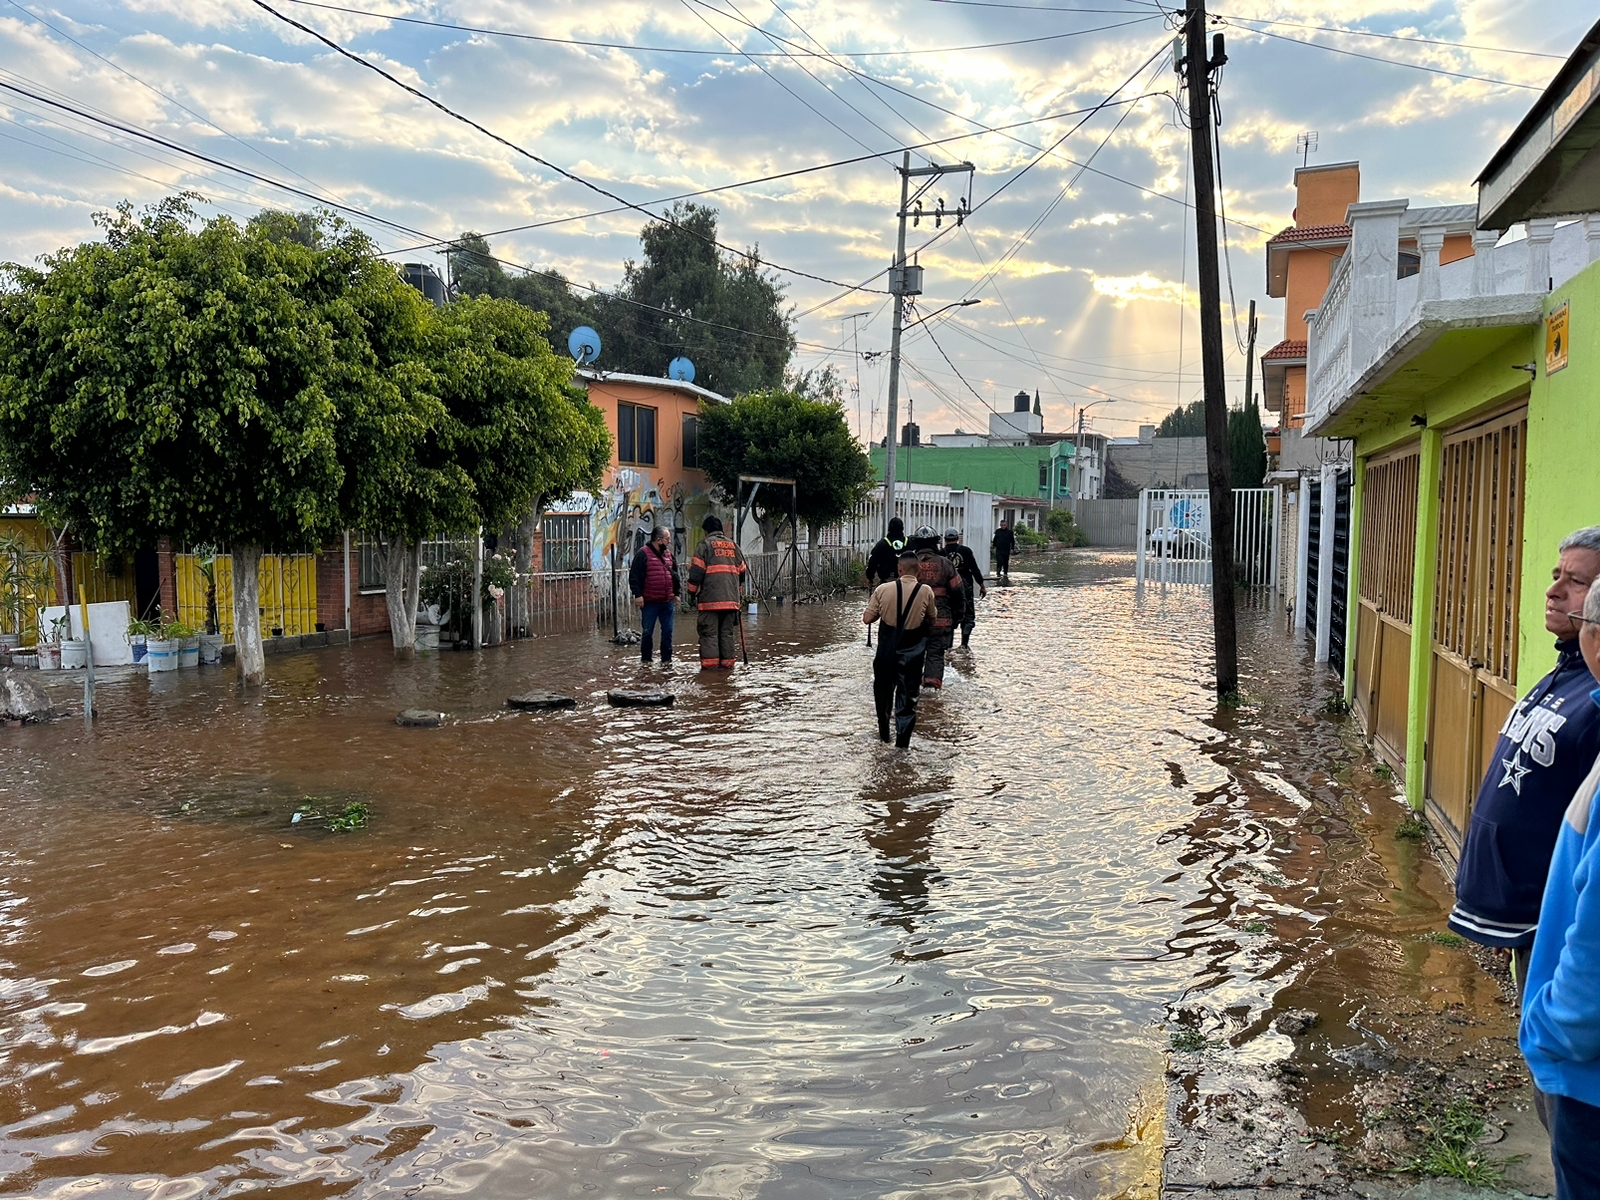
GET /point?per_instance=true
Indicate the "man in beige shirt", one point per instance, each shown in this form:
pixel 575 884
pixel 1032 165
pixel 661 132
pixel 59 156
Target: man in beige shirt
pixel 904 609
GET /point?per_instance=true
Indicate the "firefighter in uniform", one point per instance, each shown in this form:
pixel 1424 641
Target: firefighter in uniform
pixel 716 581
pixel 966 562
pixel 934 569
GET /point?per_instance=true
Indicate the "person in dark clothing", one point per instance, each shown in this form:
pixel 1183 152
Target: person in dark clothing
pixel 972 585
pixel 944 581
pixel 1547 745
pixel 653 580
pixel 1004 543
pixel 881 562
pixel 904 610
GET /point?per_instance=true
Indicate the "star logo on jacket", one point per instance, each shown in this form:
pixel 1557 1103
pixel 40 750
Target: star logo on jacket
pixel 1515 772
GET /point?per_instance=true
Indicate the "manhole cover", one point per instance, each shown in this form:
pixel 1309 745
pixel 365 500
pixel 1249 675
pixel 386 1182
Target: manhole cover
pixel 628 699
pixel 425 717
pixel 540 700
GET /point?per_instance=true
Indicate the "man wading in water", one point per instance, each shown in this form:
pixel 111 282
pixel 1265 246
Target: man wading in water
pixel 949 597
pixel 716 577
pixel 905 609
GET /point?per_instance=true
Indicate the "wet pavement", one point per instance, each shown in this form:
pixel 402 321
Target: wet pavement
pixel 736 948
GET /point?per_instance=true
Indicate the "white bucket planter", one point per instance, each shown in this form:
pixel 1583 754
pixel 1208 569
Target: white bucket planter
pixel 189 652
pixel 74 654
pixel 139 644
pixel 210 649
pixel 161 655
pixel 49 656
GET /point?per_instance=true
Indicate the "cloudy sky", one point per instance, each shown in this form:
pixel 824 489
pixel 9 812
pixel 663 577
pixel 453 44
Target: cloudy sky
pixel 1085 276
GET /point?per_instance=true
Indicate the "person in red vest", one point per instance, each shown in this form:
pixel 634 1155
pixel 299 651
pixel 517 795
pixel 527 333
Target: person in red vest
pixel 716 583
pixel 653 579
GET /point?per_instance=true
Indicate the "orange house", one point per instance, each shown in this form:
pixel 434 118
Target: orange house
pixel 655 475
pixel 1301 259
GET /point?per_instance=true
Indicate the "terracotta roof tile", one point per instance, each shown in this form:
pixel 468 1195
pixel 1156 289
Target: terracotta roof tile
pixel 1311 233
pixel 1285 349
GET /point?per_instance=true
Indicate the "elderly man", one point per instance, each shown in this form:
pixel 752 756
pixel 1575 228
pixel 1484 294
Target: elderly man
pixel 653 579
pixel 1546 748
pixel 1560 1034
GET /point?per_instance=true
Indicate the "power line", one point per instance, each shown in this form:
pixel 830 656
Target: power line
pixel 526 153
pixel 632 46
pixel 1396 62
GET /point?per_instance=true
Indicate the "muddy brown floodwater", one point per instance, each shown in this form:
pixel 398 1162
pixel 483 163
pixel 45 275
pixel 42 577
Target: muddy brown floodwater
pixel 733 949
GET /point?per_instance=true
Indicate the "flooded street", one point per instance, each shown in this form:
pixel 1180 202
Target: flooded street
pixel 734 949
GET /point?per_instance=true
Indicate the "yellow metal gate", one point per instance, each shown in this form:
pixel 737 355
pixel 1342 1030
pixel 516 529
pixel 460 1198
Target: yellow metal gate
pixel 1475 607
pixel 288 585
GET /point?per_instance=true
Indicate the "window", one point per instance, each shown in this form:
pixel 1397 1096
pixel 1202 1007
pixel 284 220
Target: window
pixel 636 435
pixel 566 542
pixel 691 441
pixel 1044 475
pixel 370 576
pixel 1409 265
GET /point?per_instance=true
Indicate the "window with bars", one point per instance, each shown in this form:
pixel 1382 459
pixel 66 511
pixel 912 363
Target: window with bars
pixel 636 435
pixel 566 542
pixel 691 441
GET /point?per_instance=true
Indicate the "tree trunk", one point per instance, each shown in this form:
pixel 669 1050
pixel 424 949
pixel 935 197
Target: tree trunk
pixel 769 534
pixel 402 581
pixel 252 659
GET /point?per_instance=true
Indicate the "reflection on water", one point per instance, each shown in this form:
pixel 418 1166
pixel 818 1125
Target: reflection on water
pixel 734 949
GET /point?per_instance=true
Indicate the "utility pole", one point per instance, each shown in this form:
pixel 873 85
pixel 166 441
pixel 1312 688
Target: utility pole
pixel 1198 70
pixel 1250 359
pixel 855 353
pixel 906 280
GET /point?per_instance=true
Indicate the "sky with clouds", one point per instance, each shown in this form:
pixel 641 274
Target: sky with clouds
pixel 1079 252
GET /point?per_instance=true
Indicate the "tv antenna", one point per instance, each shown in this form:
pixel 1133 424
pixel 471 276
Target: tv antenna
pixel 1305 145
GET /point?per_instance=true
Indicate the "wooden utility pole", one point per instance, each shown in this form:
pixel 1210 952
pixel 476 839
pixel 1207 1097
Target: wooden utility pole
pixel 1250 359
pixel 1197 69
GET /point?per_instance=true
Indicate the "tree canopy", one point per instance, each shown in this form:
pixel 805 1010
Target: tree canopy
pixel 1184 421
pixel 1247 446
pixel 685 296
pixel 786 433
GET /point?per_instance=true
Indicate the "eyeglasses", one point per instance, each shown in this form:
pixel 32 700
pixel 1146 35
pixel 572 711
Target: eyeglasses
pixel 1580 619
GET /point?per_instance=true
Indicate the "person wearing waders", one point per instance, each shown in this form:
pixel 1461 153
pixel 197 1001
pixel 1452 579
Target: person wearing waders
pixel 653 580
pixel 1547 745
pixel 716 577
pixel 1004 543
pixel 904 611
pixel 1560 1034
pixel 881 562
pixel 944 581
pixel 966 563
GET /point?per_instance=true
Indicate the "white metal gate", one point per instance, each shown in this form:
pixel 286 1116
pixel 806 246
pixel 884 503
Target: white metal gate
pixel 1174 543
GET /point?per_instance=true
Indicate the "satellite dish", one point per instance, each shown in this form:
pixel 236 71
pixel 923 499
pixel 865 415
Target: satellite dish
pixel 681 369
pixel 583 345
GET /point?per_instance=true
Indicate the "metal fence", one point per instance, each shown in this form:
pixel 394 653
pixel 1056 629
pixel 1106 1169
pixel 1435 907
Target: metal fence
pixel 941 508
pixel 287 585
pixel 1174 545
pixel 1113 523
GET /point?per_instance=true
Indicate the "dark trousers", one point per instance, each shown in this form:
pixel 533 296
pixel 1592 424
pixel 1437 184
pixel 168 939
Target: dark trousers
pixel 933 667
pixel 719 638
pixel 1574 1133
pixel 1002 562
pixel 664 611
pixel 969 613
pixel 896 679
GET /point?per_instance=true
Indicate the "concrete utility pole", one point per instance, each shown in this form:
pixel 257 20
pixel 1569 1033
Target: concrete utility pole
pixel 1198 70
pixel 906 280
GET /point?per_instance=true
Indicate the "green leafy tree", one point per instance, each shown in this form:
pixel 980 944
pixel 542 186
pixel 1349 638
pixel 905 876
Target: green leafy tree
pixel 1184 422
pixel 1247 446
pixel 786 434
pixel 685 296
pixel 482 428
pixel 187 379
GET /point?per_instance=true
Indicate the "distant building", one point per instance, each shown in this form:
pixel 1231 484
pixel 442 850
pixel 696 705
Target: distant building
pixel 1148 461
pixel 427 281
pixel 1026 479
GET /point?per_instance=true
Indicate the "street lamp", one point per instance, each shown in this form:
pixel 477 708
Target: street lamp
pixel 946 308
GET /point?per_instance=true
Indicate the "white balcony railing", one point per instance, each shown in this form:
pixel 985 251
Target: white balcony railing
pixel 1367 310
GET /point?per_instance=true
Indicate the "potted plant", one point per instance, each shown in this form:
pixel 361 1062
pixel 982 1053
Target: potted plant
pixel 188 642
pixel 13 586
pixel 205 558
pixel 49 648
pixel 139 633
pixel 161 650
pixel 499 576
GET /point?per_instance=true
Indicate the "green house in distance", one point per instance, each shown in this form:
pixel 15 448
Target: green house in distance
pixel 1021 472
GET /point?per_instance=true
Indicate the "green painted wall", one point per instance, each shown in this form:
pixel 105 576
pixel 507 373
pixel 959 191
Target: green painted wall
pixel 1563 462
pixel 1002 470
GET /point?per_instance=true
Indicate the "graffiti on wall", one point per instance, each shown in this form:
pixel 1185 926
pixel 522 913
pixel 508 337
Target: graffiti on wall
pixel 625 512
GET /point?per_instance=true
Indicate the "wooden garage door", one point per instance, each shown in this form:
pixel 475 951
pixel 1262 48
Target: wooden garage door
pixel 1475 607
pixel 1383 623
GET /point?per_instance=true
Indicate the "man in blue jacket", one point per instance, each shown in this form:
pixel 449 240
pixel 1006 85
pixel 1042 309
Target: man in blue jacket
pixel 1546 747
pixel 1561 1015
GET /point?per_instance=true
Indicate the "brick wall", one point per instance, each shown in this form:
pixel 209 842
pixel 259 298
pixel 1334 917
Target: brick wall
pixel 369 614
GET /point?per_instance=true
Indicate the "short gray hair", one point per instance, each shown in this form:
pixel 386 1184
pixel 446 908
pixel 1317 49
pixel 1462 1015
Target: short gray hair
pixel 1591 603
pixel 1587 538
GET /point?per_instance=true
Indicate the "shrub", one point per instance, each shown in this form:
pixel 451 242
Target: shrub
pixel 1061 526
